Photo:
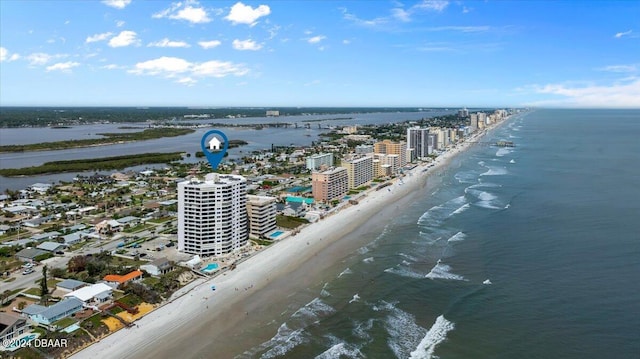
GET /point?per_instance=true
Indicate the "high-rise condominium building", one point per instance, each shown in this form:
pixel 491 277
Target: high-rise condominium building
pixel 316 161
pixel 212 215
pixel 330 184
pixel 418 140
pixel 392 148
pixel 359 170
pixel 262 215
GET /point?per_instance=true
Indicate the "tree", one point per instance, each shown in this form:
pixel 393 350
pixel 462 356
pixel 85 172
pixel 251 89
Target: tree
pixel 77 264
pixel 44 288
pixel 4 296
pixel 22 304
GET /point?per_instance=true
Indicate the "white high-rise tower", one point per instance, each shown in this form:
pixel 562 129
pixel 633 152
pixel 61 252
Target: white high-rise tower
pixel 212 215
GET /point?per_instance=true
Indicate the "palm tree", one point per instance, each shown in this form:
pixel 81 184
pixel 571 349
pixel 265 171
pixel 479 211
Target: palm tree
pixel 44 289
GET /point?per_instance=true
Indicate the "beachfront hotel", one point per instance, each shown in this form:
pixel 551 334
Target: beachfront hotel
pixel 388 147
pixel 318 161
pixel 330 184
pixel 261 211
pixel 418 141
pixel 212 215
pixel 359 170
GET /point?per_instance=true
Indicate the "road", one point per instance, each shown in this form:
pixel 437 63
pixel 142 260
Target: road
pixel 29 280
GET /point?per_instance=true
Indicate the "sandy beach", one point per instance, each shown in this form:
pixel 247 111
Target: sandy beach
pixel 244 298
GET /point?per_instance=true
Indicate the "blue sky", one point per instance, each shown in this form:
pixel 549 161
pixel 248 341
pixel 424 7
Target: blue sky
pixel 320 53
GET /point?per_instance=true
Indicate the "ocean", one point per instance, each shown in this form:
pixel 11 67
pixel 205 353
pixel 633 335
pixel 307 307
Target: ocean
pixel 524 252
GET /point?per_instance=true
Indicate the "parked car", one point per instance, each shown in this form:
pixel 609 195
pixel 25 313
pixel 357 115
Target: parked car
pixel 28 271
pixel 28 265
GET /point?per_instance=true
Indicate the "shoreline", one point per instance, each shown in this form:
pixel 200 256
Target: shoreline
pixel 243 296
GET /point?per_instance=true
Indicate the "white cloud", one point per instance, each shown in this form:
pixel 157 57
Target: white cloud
pixel 168 43
pixel 120 23
pixel 124 38
pixel 187 81
pixel 63 66
pixel 209 44
pixel 620 68
pixel 169 66
pixel 623 93
pixel 346 42
pixel 118 4
pixel 98 37
pixel 397 14
pixel 219 69
pixel 466 10
pixel 401 14
pixel 358 21
pixel 245 14
pixel 435 5
pixel 246 45
pixel 41 58
pixel 621 34
pixel 188 72
pixel 190 11
pixel 316 39
pixel 112 67
pixel 4 55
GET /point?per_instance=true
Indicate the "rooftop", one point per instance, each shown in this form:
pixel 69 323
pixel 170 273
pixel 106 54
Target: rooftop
pixel 123 278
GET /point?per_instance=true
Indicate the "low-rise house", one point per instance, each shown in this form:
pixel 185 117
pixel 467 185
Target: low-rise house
pixel 72 238
pixel 158 266
pixel 45 236
pixel 108 225
pixel 29 254
pixel 48 315
pixel 129 221
pixel 51 246
pixel 116 280
pixel 92 294
pixel 40 187
pixel 21 210
pixel 36 222
pixel 12 326
pixel 69 285
pixel 4 229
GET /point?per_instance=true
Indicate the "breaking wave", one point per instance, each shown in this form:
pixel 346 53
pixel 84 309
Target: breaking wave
pixel 458 237
pixel 443 271
pixel 436 335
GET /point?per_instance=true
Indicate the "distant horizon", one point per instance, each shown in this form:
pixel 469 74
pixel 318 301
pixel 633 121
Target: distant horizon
pixel 275 107
pixel 341 53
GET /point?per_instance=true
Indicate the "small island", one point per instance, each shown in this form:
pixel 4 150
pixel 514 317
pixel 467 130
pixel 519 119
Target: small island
pixel 109 139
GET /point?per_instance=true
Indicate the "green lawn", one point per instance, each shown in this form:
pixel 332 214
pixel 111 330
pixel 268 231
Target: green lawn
pixel 262 242
pixel 289 222
pixel 95 320
pixel 130 300
pixel 138 228
pixel 64 322
pixel 160 220
pixel 33 291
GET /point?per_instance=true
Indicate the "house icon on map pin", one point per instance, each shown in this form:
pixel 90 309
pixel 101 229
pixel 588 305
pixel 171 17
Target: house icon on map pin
pixel 214 144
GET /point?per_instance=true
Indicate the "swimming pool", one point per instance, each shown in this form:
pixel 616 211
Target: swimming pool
pixel 275 234
pixel 211 267
pixel 299 199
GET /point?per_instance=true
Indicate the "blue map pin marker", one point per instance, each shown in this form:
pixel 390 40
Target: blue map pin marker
pixel 214 158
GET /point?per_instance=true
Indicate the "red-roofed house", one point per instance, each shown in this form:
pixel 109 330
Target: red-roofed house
pixel 117 280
